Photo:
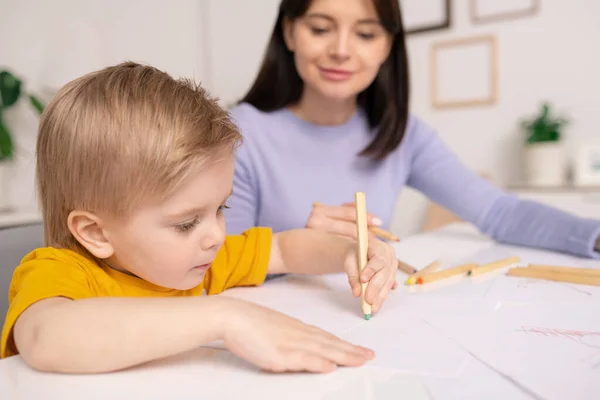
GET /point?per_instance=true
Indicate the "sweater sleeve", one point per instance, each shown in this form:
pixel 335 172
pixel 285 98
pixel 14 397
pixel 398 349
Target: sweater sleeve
pixel 243 203
pixel 437 173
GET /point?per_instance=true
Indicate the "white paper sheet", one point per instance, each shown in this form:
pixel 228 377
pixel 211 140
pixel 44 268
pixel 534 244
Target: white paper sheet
pixel 406 343
pixel 552 351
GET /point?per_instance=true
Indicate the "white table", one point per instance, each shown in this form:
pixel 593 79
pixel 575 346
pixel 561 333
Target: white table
pixel 494 337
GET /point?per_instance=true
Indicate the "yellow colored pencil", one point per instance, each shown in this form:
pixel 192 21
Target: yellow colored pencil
pixel 554 276
pixel 434 266
pixel 567 270
pixel 484 269
pixel 444 274
pixel 363 244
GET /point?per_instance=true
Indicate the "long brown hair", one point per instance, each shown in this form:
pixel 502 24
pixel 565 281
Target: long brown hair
pixel 385 101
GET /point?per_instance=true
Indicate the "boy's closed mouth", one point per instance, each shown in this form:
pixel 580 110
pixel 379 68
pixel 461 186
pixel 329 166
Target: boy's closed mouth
pixel 202 267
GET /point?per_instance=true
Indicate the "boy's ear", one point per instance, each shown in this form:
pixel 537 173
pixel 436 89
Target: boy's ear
pixel 87 230
pixel 288 33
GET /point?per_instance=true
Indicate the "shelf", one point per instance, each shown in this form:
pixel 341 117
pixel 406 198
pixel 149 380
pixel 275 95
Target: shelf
pixel 18 218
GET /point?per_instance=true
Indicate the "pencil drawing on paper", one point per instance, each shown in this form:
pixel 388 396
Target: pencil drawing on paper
pixel 589 339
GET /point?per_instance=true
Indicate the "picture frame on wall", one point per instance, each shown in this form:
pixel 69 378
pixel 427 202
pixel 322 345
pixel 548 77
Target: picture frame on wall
pixel 421 16
pixel 587 165
pixel 483 11
pixel 464 72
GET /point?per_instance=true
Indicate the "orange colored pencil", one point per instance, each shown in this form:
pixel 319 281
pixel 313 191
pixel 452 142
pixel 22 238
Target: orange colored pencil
pixel 434 266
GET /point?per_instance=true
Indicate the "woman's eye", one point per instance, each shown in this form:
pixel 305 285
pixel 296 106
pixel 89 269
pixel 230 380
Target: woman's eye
pixel 318 31
pixel 367 36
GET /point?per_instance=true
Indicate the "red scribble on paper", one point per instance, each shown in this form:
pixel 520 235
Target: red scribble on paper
pixel 565 333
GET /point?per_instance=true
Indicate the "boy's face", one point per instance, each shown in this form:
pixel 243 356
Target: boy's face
pixel 173 244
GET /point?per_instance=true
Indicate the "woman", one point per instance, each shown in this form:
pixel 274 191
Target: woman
pixel 328 116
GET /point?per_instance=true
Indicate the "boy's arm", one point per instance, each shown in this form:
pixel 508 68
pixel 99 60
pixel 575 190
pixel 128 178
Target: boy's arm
pixel 107 334
pixel 308 251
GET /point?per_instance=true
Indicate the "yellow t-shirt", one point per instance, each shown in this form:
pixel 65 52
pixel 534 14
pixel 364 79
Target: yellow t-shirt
pixel 50 272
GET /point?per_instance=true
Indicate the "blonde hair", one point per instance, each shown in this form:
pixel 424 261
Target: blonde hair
pixel 116 138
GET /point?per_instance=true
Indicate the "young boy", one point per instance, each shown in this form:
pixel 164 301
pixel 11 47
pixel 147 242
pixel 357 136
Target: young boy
pixel 133 171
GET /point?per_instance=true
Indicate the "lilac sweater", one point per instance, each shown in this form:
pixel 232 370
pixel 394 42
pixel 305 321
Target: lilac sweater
pixel 285 164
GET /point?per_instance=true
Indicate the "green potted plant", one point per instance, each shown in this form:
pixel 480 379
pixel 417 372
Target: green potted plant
pixel 10 93
pixel 544 148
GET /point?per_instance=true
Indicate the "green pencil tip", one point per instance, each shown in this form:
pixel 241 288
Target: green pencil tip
pixel 367 316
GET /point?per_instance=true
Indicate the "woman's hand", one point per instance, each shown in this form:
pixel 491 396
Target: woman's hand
pixel 339 220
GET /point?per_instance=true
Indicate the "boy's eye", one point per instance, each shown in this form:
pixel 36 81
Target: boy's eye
pixel 186 226
pixel 221 208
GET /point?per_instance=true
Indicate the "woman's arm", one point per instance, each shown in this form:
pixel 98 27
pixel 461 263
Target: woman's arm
pixel 437 172
pixel 242 210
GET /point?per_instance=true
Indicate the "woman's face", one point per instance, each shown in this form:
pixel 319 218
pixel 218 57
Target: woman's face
pixel 339 46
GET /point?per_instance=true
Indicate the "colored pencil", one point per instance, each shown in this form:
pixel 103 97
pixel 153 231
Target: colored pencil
pixel 363 244
pixel 445 274
pixel 484 269
pixel 554 276
pixel 567 270
pixel 402 266
pixel 434 266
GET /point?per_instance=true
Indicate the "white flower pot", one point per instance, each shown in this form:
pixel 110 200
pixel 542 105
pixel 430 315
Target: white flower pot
pixel 5 172
pixel 546 164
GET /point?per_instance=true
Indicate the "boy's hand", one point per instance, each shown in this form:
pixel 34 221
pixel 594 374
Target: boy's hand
pixel 278 343
pixel 380 272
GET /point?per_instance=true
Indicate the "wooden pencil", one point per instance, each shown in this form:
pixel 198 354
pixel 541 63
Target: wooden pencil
pixel 382 233
pixel 554 276
pixel 484 269
pixel 363 244
pixel 444 274
pixel 402 266
pixel 567 270
pixel 434 266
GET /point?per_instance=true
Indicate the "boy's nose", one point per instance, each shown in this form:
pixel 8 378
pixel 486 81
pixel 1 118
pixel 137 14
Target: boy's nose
pixel 214 238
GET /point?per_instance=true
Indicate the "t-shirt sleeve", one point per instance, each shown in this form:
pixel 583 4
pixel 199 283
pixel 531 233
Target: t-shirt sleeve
pixel 242 261
pixel 38 280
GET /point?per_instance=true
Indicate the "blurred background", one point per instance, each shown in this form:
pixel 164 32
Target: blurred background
pixel 480 76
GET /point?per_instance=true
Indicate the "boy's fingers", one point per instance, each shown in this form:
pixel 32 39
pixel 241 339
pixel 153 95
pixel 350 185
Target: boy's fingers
pixel 353 279
pixel 376 285
pixel 307 361
pixel 374 265
pixel 383 294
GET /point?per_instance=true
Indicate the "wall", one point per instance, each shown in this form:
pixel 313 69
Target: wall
pixel 551 56
pixel 48 43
